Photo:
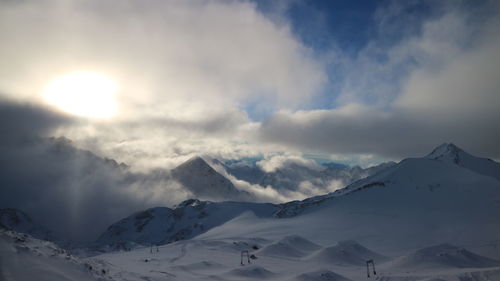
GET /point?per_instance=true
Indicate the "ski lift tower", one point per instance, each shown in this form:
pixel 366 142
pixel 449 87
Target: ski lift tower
pixel 368 262
pixel 245 253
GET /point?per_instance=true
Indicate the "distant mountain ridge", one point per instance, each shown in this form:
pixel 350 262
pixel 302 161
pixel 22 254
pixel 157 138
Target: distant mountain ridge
pixel 164 225
pixel 294 176
pixel 415 203
pixel 403 188
pixel 409 169
pixel 205 182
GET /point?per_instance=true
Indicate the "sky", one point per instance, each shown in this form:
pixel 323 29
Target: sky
pixel 153 83
pixel 354 81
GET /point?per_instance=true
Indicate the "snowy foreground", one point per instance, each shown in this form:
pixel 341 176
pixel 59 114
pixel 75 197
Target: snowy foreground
pixel 289 258
pixel 295 258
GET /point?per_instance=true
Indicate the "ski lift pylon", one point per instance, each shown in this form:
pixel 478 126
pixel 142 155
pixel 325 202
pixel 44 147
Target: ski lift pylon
pixel 368 262
pixel 245 253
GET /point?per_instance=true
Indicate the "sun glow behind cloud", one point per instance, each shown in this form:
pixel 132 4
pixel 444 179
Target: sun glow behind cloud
pixel 87 94
pixel 223 78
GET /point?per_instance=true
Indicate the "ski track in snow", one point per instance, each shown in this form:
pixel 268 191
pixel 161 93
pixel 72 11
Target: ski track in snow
pixel 181 255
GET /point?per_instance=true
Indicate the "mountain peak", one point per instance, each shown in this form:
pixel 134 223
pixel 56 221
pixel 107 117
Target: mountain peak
pixel 195 162
pixel 205 182
pixel 450 153
pixel 446 151
pixel 189 202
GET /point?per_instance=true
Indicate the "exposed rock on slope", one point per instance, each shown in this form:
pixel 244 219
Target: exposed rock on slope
pixel 164 225
pixel 17 220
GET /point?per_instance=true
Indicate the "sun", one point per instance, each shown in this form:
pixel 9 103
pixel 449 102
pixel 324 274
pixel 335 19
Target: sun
pixel 87 94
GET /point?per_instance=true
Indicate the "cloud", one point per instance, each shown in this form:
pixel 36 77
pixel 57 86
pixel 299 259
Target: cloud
pixel 264 194
pixel 353 128
pixel 276 193
pixel 194 73
pixel 173 53
pixel 187 71
pixel 23 120
pixel 275 162
pixel 435 86
pixel 166 143
pixel 73 192
pixel 309 189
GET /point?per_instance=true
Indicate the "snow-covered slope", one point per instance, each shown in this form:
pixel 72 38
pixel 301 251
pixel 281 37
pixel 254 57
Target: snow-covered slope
pixel 164 225
pixel 26 258
pixel 206 183
pixel 23 257
pixel 17 220
pixel 292 246
pixel 347 252
pixel 321 275
pixel 221 259
pixel 442 256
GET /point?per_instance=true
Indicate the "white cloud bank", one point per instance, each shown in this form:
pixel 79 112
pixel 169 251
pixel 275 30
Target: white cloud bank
pixel 274 162
pixel 186 69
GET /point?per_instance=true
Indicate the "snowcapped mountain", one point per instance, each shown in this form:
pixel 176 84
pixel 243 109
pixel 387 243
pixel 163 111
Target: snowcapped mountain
pixel 17 220
pixel 450 153
pixel 440 169
pixel 206 183
pixel 418 202
pixel 190 218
